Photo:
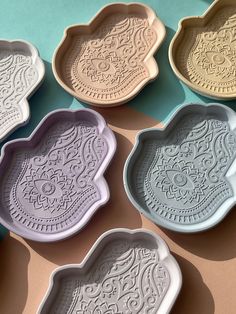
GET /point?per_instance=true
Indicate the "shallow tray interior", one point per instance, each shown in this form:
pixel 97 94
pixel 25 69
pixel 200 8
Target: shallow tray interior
pixel 125 272
pixel 108 61
pixel 202 53
pixel 183 177
pixel 21 72
pixel 52 183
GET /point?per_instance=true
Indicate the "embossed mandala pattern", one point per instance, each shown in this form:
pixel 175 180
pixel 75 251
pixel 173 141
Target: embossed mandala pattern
pixel 50 187
pixel 182 178
pixel 210 52
pixel 108 64
pixel 126 278
pixel 17 76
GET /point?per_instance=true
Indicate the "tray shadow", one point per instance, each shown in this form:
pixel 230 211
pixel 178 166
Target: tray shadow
pixel 127 118
pixel 14 283
pixel 161 96
pixel 195 297
pixel 215 244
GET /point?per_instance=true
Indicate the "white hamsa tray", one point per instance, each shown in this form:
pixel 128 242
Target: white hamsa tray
pixel 126 271
pixel 21 72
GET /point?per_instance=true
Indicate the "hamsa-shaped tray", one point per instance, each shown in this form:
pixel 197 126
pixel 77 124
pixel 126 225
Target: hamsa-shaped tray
pixel 124 272
pixel 108 61
pixel 52 182
pixel 183 176
pixel 21 73
pixel 202 53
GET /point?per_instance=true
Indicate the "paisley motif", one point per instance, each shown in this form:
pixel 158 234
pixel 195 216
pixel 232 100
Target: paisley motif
pixel 184 179
pixel 109 60
pixel 203 52
pixel 21 71
pixel 130 272
pixel 179 178
pixel 48 187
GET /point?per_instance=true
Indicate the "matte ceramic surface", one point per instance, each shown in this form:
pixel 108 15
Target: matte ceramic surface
pixel 21 72
pixel 202 53
pixel 124 272
pixel 52 183
pixel 38 14
pixel 183 177
pixel 108 61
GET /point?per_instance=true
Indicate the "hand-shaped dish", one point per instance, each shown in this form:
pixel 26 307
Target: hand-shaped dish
pixel 108 61
pixel 203 51
pixel 183 176
pixel 52 182
pixel 124 272
pixel 21 72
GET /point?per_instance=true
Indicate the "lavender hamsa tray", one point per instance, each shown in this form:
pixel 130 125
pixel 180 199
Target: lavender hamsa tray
pixel 52 183
pixel 124 272
pixel 21 73
pixel 183 177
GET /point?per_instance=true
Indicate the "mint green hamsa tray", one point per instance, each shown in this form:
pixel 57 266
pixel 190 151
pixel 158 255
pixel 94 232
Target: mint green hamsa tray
pixel 183 176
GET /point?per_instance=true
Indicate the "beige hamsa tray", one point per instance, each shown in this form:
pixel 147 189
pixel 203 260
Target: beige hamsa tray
pixel 203 51
pixel 108 61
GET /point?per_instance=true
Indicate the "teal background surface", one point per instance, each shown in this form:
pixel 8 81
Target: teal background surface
pixel 42 22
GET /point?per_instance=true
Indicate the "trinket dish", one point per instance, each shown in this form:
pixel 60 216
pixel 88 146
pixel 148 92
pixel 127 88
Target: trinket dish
pixel 202 53
pixel 108 61
pixel 52 182
pixel 124 272
pixel 183 176
pixel 21 73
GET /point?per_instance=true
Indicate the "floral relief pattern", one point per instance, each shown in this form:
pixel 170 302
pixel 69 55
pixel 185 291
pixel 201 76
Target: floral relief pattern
pixel 50 187
pixel 110 61
pixel 181 178
pixel 210 53
pixel 103 67
pixel 128 277
pixel 18 75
